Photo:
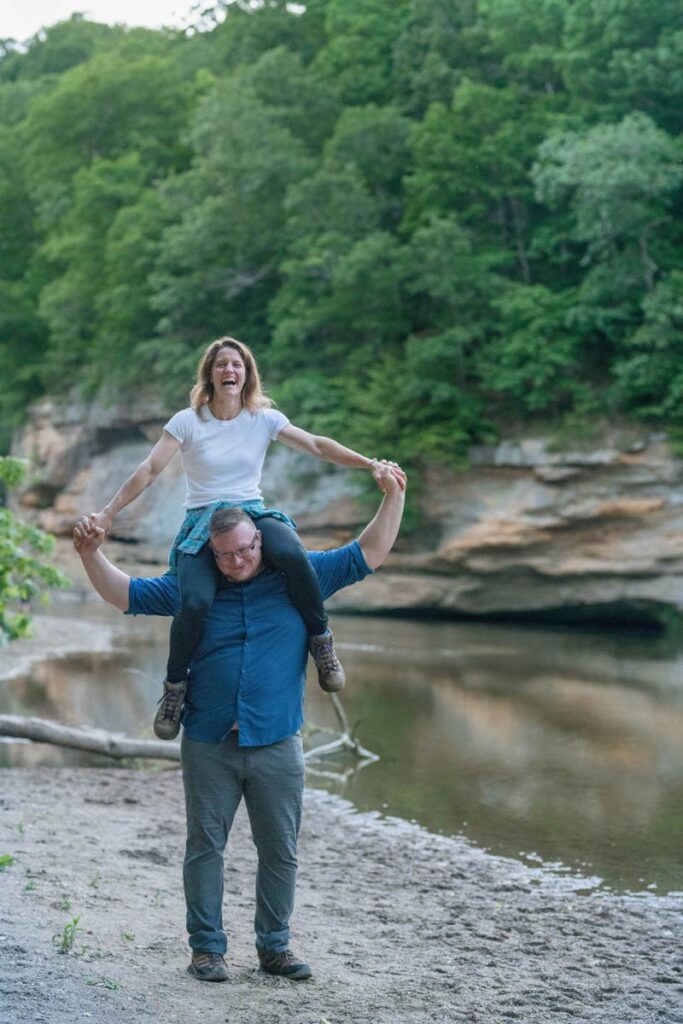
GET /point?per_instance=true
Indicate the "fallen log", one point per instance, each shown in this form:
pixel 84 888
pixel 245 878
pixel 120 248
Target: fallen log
pixel 99 741
pixel 96 741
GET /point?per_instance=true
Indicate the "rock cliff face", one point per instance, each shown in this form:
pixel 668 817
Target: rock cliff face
pixel 574 536
pixel 525 532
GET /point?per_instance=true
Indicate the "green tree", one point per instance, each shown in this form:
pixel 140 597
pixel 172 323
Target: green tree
pixel 218 263
pixel 68 302
pixel 620 55
pixel 55 49
pixel 125 316
pixel 619 179
pixel 425 214
pixel 535 357
pixel 358 50
pixel 474 157
pixel 650 372
pixel 328 215
pixel 100 110
pixel 292 94
pixel 374 141
pixel 249 31
pixel 448 282
pixel 23 335
pixel 431 52
pixel 617 183
pixel 525 38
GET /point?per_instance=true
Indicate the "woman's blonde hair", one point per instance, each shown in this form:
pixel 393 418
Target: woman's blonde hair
pixel 253 397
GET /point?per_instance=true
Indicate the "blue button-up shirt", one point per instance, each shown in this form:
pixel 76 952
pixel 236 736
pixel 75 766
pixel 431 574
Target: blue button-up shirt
pixel 250 668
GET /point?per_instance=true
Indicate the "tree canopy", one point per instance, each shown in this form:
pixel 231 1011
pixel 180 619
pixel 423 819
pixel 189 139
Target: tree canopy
pixel 428 217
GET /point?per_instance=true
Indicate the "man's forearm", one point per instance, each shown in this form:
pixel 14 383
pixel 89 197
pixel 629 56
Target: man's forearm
pixel 377 539
pixel 110 583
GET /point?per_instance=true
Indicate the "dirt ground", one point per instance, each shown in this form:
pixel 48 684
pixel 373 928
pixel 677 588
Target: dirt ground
pixel 399 925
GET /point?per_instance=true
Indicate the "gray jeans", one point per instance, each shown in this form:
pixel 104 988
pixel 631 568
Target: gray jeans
pixel 271 779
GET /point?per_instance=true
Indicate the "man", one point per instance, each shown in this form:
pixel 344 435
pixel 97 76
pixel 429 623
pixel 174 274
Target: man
pixel 243 715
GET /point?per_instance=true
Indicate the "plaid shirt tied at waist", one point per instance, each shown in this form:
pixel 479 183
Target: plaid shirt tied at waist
pixel 194 532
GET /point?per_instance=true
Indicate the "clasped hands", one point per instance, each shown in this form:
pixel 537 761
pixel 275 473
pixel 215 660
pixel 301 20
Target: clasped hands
pixel 88 534
pixel 388 476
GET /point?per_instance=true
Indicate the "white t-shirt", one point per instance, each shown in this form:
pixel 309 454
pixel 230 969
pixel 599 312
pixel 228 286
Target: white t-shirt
pixel 222 459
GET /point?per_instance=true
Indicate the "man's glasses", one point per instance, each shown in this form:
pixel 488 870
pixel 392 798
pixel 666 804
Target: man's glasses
pixel 228 556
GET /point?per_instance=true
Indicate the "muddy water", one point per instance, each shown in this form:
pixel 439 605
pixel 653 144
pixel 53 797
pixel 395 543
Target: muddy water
pixel 552 745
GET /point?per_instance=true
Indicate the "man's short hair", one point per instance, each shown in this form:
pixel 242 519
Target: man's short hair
pixel 224 520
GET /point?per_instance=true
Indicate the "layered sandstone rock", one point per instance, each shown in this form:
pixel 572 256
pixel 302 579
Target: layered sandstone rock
pixel 526 531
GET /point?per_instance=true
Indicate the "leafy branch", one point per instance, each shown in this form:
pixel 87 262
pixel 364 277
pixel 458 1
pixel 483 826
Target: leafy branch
pixel 23 573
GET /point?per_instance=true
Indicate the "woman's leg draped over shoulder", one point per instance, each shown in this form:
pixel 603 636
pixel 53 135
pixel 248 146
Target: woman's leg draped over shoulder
pixel 198 578
pixel 283 550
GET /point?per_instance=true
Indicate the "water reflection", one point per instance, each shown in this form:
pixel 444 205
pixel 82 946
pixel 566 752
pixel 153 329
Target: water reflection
pixel 537 742
pixel 532 742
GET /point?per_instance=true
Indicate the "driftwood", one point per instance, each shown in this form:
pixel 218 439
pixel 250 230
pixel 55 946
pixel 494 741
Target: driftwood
pixel 98 741
pixel 346 739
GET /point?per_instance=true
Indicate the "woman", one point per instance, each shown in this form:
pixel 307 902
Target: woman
pixel 223 438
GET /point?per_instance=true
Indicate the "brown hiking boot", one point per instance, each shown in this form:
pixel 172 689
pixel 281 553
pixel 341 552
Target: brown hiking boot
pixel 208 966
pixel 286 964
pixel 330 672
pixel 167 718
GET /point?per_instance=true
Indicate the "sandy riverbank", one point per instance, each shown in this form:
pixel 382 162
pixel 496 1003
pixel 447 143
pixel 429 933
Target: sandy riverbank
pixel 398 924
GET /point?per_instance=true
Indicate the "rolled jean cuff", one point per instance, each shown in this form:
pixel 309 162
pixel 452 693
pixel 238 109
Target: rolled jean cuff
pixel 208 942
pixel 273 942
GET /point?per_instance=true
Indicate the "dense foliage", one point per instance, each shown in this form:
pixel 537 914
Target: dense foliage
pixel 429 217
pixel 23 574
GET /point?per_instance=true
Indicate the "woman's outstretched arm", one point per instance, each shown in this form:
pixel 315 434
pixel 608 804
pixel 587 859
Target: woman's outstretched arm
pixel 328 450
pixel 146 473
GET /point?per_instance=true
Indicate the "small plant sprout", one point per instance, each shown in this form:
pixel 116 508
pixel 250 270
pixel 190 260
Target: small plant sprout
pixel 5 860
pixel 65 941
pixel 109 983
pixel 66 903
pixel 30 886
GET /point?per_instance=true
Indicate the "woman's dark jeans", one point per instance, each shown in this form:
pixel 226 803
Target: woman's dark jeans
pixel 198 578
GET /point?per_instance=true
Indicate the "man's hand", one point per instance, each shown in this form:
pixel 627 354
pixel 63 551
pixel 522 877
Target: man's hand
pixel 87 537
pixel 109 582
pixel 382 469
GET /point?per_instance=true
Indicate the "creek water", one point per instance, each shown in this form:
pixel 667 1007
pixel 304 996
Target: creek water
pixel 561 747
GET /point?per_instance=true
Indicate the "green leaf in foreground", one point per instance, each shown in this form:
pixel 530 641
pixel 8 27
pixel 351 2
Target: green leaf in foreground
pixel 22 572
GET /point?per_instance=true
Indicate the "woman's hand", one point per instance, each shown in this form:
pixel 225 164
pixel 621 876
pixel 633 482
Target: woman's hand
pixel 379 469
pixel 101 521
pixel 87 538
pixel 96 522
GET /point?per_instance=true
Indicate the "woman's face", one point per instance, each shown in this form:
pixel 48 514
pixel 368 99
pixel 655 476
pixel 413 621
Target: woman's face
pixel 228 374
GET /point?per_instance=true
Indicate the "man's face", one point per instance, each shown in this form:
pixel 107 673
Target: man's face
pixel 238 553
